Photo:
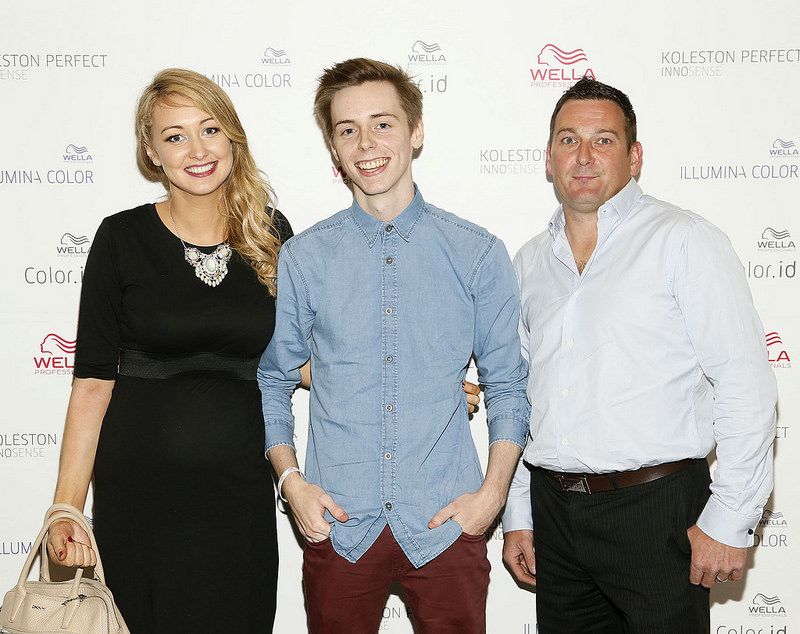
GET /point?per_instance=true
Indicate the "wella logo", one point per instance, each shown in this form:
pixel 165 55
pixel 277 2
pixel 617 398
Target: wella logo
pixel 74 153
pixel 422 53
pixel 275 57
pixel 71 245
pixel 777 355
pixel 557 65
pixel 339 175
pixel 773 240
pixel 783 148
pixel 763 605
pixel 57 354
pixel 772 518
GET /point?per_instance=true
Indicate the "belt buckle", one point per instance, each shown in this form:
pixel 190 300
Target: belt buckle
pixel 577 484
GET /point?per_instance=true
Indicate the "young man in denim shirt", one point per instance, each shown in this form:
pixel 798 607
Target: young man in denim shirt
pixel 390 299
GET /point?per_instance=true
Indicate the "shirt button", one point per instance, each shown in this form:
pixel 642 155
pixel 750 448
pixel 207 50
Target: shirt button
pixel 570 343
pixel 389 228
pixel 389 260
pixel 389 310
pixel 565 392
pixel 389 358
pixel 390 408
pixel 388 506
pixel 564 442
pixel 388 455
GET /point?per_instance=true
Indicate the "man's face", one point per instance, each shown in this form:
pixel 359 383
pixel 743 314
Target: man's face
pixel 374 144
pixel 588 158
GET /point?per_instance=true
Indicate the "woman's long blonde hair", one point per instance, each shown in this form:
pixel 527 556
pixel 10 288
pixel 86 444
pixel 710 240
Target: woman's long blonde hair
pixel 247 199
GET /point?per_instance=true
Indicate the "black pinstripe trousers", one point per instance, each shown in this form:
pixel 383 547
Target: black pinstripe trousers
pixel 618 561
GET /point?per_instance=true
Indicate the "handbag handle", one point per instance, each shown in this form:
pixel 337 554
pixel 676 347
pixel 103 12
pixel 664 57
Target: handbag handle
pixel 56 513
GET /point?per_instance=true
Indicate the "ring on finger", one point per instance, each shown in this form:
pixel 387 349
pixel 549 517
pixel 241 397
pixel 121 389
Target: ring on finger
pixel 725 580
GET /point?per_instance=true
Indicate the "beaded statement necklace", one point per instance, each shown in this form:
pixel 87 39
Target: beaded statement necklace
pixel 211 268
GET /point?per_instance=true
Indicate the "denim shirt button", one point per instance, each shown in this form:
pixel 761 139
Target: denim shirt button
pixel 390 408
pixel 388 455
pixel 389 310
pixel 389 228
pixel 389 358
pixel 389 260
pixel 388 506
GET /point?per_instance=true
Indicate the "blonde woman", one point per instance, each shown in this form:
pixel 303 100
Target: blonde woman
pixel 176 309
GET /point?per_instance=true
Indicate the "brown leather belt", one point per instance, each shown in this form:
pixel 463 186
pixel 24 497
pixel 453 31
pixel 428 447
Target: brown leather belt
pixel 599 482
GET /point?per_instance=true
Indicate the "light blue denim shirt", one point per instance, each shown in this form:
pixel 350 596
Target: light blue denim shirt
pixel 390 314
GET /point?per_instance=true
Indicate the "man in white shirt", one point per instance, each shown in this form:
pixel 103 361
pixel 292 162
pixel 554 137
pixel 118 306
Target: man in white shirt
pixel 645 353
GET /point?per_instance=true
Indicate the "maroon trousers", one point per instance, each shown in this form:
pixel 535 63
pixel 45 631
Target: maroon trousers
pixel 446 595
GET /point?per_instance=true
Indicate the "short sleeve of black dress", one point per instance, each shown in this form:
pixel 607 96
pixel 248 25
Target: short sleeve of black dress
pixel 281 226
pixel 97 351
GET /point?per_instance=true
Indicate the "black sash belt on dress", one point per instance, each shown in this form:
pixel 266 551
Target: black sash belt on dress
pixel 146 365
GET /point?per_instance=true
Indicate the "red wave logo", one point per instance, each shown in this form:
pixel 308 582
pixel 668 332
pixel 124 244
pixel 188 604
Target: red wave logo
pixel 53 344
pixel 773 338
pixel 552 55
pixel 777 354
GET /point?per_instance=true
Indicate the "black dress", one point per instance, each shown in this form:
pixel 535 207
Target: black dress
pixel 184 506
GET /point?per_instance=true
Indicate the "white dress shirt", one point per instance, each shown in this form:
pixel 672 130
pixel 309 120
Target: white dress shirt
pixel 654 354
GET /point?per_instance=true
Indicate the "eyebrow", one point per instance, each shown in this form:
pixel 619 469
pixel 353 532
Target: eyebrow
pixel 372 116
pixel 180 127
pixel 565 130
pixel 601 131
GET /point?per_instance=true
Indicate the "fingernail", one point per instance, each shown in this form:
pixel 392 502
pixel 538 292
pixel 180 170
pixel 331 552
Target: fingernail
pixel 60 555
pixel 69 539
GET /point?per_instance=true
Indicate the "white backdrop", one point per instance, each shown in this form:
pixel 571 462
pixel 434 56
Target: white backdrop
pixel 715 87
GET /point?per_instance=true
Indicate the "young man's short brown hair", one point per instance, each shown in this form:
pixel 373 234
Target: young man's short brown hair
pixel 357 71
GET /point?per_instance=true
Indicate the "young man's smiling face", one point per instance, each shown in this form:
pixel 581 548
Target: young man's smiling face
pixel 374 144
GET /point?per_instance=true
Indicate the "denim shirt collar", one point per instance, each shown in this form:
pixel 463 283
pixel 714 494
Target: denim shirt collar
pixel 621 204
pixel 404 223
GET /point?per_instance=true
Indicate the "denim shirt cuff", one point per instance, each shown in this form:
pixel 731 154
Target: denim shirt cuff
pixel 510 428
pixel 278 432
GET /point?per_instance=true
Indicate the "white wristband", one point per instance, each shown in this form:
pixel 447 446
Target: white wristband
pixel 283 477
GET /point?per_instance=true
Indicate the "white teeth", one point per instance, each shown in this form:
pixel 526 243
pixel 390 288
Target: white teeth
pixel 371 165
pixel 200 169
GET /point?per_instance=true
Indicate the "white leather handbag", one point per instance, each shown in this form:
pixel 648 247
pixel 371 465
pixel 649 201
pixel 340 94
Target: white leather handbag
pixel 75 606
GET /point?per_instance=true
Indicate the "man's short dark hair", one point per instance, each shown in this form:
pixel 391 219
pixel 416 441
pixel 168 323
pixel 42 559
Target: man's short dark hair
pixel 593 90
pixel 358 71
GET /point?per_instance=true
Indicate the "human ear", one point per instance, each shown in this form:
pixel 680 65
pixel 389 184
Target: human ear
pixel 636 159
pixel 153 155
pixel 417 135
